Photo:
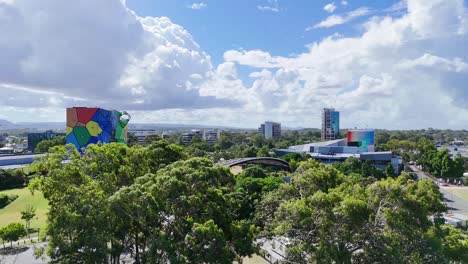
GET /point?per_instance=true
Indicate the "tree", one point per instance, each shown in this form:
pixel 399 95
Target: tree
pixel 224 141
pixel 258 140
pixel 389 171
pixel 27 215
pixel 354 220
pixel 250 152
pixel 152 138
pixel 458 167
pixel 132 139
pixel 13 232
pixel 45 145
pixel 147 199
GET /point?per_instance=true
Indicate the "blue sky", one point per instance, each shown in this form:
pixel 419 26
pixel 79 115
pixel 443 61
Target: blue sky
pixel 382 64
pixel 239 24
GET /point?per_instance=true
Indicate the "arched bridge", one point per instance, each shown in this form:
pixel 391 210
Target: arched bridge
pixel 259 160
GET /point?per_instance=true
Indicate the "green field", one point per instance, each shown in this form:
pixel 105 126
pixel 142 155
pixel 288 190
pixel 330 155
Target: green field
pixel 462 193
pixel 11 213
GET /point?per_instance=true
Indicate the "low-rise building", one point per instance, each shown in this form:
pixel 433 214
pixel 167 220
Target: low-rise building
pixel 187 137
pixel 338 150
pixel 211 136
pixel 141 134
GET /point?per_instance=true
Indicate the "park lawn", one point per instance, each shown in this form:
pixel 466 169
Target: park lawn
pixel 462 193
pixel 11 213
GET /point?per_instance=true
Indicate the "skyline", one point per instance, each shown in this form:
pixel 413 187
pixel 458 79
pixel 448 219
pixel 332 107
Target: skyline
pixel 390 65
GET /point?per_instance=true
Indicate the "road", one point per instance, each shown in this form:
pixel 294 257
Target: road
pixel 454 203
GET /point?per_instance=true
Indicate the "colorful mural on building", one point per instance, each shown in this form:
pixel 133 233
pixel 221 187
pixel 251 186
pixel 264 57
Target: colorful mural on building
pixel 95 125
pixel 364 139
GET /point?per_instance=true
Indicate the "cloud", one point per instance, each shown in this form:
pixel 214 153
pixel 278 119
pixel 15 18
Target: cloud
pixel 397 7
pixel 405 72
pixel 344 3
pixel 272 6
pixel 408 71
pixel 198 6
pixel 330 8
pixel 101 52
pixel 335 20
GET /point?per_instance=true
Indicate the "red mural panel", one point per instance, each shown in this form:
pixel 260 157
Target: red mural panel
pixel 85 114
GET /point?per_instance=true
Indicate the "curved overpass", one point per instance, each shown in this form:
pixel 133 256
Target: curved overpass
pixel 260 160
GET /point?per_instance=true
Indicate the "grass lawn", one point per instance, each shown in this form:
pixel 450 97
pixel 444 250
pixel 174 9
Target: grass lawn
pixel 11 213
pixel 462 193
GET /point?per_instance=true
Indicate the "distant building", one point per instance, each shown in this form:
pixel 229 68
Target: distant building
pixel 165 135
pixel 35 138
pixel 330 124
pixel 7 150
pixel 270 129
pixel 187 137
pixel 92 125
pixel 359 144
pixel 141 134
pixel 211 136
pixel 363 139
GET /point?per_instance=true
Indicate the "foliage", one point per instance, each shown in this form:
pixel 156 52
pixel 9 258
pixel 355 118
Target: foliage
pixel 149 200
pixel 328 217
pixel 10 179
pixel 251 184
pixel 45 145
pixel 364 168
pixel 28 214
pixel 132 139
pixel 6 199
pixel 12 232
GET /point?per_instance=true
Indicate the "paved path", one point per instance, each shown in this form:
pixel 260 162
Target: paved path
pixel 21 255
pixel 454 203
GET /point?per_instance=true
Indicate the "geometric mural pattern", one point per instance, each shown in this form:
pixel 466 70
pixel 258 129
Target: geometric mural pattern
pixel 95 125
pixel 364 139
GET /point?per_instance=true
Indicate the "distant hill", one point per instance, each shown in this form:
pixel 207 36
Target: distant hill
pixel 60 126
pixel 4 123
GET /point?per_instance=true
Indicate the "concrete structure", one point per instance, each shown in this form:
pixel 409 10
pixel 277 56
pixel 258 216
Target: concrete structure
pixel 330 124
pixel 141 134
pixel 7 150
pixel 35 138
pixel 259 160
pixel 270 129
pixel 187 137
pixel 211 136
pixel 92 125
pixel 363 139
pixel 17 159
pixel 333 151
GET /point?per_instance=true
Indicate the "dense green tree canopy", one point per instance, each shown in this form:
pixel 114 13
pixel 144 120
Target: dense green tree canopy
pixel 328 217
pixel 149 200
pixel 45 145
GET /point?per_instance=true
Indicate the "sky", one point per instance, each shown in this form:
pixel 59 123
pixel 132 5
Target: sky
pixel 382 64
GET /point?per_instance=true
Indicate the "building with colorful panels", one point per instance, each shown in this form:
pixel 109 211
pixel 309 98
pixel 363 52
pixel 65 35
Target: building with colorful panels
pixel 95 125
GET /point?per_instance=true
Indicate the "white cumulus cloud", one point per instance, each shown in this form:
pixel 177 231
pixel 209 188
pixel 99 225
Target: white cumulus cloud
pixel 330 8
pixel 101 52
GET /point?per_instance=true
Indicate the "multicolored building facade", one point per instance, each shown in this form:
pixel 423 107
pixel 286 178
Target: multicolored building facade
pixel 363 139
pixel 95 125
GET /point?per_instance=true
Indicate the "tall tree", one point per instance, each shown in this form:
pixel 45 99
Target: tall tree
pixel 27 215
